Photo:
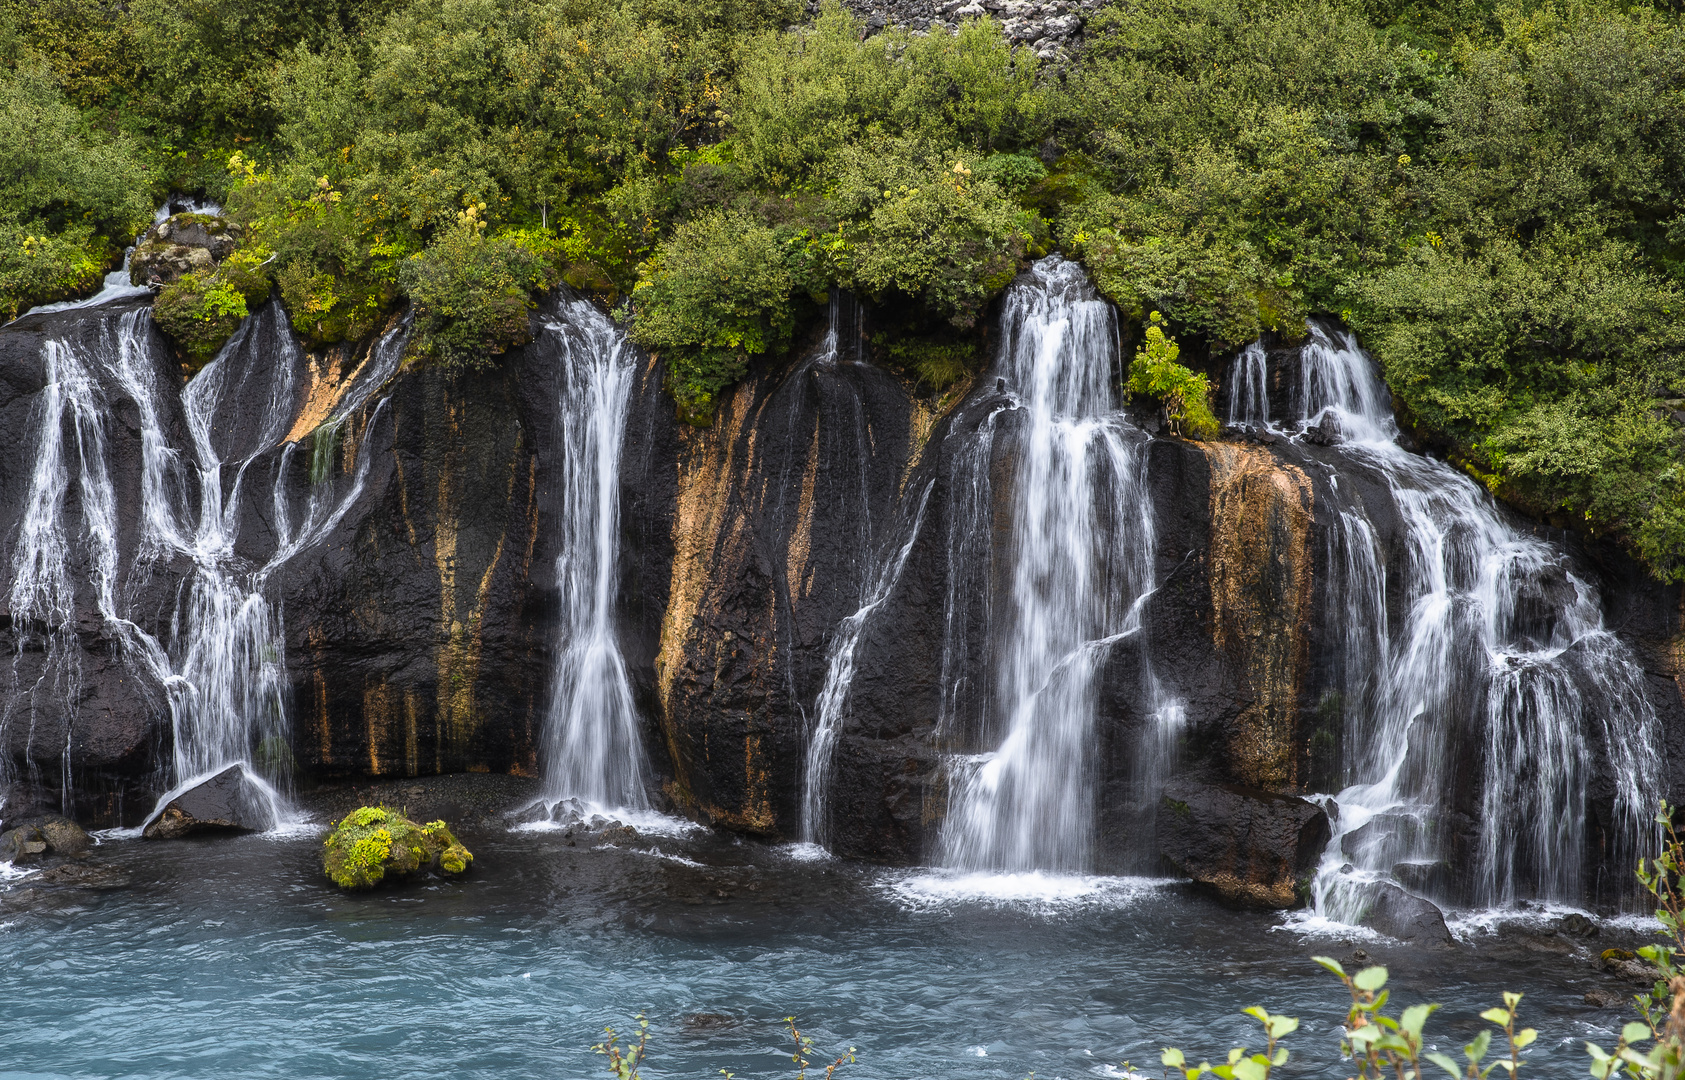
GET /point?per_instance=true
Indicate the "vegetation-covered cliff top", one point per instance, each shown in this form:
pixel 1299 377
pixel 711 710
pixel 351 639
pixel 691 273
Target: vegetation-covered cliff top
pixel 1492 193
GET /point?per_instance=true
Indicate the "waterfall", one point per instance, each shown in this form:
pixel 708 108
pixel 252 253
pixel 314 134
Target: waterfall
pixel 1501 646
pixel 221 660
pixel 1079 564
pixel 593 756
pixel 1249 401
pixel 42 594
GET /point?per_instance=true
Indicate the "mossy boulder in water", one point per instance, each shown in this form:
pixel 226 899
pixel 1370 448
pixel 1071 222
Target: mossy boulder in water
pixel 375 843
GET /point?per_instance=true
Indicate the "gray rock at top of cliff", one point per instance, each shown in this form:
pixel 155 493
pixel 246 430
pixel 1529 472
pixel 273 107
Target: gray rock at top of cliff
pixel 227 802
pixel 1052 29
pixel 1252 847
pixel 180 245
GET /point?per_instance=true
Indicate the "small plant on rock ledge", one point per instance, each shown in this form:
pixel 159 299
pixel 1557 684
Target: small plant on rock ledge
pixel 1156 372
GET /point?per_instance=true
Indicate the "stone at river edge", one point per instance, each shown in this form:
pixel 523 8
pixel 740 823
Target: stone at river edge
pixel 374 843
pixel 1253 847
pixel 227 802
pixel 34 841
pixel 1404 916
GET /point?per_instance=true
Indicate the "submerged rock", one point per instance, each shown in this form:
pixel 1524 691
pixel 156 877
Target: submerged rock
pixel 1404 916
pixel 375 843
pixel 1253 847
pixel 227 802
pixel 89 878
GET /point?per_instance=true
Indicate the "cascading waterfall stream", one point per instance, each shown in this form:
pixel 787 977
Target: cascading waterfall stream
pixel 1249 401
pixel 1496 633
pixel 1080 564
pixel 221 662
pixel 593 755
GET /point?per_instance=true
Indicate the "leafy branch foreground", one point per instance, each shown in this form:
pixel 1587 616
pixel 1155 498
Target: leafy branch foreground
pixel 1380 1046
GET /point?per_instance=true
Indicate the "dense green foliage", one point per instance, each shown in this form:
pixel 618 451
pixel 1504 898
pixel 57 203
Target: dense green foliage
pixel 1491 193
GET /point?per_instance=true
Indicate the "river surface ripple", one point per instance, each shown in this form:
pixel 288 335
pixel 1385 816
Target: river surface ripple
pixel 234 958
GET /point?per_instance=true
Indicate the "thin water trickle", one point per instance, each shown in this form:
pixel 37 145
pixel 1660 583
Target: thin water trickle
pixel 1078 561
pixel 1500 650
pixel 831 710
pixel 593 755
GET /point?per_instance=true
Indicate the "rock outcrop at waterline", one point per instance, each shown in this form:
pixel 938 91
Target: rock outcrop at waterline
pixel 418 626
pixel 373 845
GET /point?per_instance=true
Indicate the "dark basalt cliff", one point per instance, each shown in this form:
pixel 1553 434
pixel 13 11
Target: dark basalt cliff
pixel 419 627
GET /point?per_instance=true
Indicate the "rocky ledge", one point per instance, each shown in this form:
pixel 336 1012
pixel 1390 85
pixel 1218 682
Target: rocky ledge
pixel 1051 28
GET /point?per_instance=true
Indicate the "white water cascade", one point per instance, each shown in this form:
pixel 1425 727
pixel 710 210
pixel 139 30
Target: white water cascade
pixel 1500 657
pixel 1078 565
pixel 1249 402
pixel 593 756
pixel 221 660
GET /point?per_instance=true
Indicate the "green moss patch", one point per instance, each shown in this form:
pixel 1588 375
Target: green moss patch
pixel 376 843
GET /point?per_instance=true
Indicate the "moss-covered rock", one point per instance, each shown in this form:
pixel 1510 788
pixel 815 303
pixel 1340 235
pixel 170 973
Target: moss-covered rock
pixel 375 843
pixel 184 244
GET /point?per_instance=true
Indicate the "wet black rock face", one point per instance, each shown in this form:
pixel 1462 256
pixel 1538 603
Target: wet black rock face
pixel 1254 848
pixel 420 628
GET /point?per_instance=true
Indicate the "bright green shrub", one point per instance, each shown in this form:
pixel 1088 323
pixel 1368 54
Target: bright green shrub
pixel 1156 372
pixel 1545 363
pixel 41 267
pixel 472 293
pixel 201 311
pixel 915 220
pixel 69 199
pixel 803 97
pixel 334 261
pixel 716 293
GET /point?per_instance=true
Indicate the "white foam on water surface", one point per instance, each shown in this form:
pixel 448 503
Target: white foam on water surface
pixel 647 822
pixel 1309 923
pixel 1484 921
pixel 657 853
pixel 1032 890
pixel 804 852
